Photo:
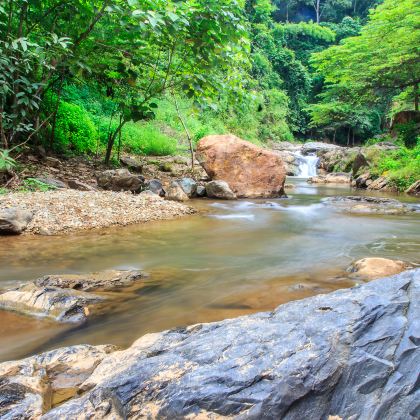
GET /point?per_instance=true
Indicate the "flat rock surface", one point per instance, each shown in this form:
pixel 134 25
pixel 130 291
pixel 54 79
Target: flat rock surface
pixel 353 354
pixel 362 204
pixel 70 210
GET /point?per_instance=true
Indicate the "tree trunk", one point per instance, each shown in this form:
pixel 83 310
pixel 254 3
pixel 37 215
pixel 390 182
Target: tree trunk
pixel 416 96
pixel 317 10
pixel 57 105
pixel 348 137
pixel 352 139
pixel 111 141
pixel 335 133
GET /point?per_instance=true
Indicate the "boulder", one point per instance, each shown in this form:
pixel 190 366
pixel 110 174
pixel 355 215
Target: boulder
pixel 250 171
pixel 32 386
pixel 414 189
pixel 120 180
pixel 75 184
pixel 334 178
pixel 189 186
pixel 363 180
pixel 286 146
pixel 176 193
pixel 52 182
pixel 201 191
pixel 359 162
pixel 382 183
pixel 132 164
pixel 219 189
pixel 317 147
pixel 291 162
pixel 361 204
pixel 376 268
pixel 62 305
pixel 351 354
pixel 155 186
pixel 14 221
pixel 103 281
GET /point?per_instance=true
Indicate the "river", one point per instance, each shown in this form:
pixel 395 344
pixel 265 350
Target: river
pixel 233 258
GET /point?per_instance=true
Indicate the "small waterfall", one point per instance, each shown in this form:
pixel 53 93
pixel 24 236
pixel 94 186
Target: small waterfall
pixel 307 165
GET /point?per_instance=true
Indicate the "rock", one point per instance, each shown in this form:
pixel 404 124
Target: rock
pixel 286 146
pixel 291 162
pixel 201 191
pixel 351 354
pixel 32 386
pixel 414 189
pixel 250 171
pixel 148 193
pixel 104 281
pixel 53 162
pixel 383 184
pixel 176 193
pixel 334 178
pixel 63 305
pixel 13 221
pixel 132 164
pixel 155 186
pixel 359 162
pixel 52 182
pixel 289 186
pixel 189 186
pixel 363 181
pixel 75 184
pixel 219 189
pixel 316 147
pixel 361 204
pixel 120 180
pixel 376 268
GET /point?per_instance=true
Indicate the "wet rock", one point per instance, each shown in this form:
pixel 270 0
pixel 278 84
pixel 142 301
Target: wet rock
pixel 132 164
pixel 75 184
pixel 120 180
pixel 250 171
pixel 219 189
pixel 201 191
pixel 104 281
pixel 52 182
pixel 32 386
pixel 414 189
pixel 351 354
pixel 361 204
pixel 291 162
pixel 334 178
pixel 376 268
pixel 176 193
pixel 62 305
pixel 155 186
pixel 14 221
pixel 189 186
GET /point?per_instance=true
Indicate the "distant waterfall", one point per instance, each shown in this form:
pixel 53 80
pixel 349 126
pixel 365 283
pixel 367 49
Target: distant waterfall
pixel 307 165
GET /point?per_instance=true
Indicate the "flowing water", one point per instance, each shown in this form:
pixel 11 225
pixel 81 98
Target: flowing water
pixel 307 165
pixel 232 258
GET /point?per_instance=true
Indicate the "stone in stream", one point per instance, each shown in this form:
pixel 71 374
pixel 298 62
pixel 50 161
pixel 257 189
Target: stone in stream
pixel 250 171
pixel 32 386
pixel 62 305
pixel 334 178
pixel 14 221
pixel 219 189
pixel 375 268
pixel 366 205
pixel 351 354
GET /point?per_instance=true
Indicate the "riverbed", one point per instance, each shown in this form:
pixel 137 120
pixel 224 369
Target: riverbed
pixel 232 258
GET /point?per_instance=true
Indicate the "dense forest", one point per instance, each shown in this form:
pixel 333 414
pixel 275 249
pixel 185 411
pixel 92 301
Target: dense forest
pixel 151 76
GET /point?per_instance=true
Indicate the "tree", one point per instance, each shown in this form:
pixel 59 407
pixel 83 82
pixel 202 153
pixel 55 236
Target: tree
pixel 383 59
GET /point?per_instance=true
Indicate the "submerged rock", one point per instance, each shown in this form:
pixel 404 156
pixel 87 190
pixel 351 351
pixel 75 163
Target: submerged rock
pixel 103 281
pixel 376 268
pixel 219 189
pixel 14 221
pixel 63 305
pixel 32 386
pixel 250 171
pixel 361 204
pixel 350 354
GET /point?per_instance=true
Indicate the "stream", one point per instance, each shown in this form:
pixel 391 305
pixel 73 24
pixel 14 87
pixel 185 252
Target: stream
pixel 233 258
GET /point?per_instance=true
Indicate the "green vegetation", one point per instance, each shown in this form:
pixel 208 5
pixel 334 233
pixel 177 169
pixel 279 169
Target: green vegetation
pixel 152 77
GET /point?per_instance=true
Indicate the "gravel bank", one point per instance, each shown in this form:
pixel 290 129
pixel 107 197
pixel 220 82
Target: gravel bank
pixel 71 210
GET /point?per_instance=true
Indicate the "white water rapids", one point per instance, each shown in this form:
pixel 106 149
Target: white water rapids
pixel 307 165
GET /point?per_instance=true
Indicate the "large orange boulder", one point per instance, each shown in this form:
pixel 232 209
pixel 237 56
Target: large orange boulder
pixel 250 171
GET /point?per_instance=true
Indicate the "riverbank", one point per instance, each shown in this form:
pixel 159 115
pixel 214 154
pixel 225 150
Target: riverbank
pixel 63 211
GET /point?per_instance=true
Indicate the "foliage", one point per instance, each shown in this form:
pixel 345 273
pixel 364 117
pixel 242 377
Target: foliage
pixel 7 163
pixel 33 184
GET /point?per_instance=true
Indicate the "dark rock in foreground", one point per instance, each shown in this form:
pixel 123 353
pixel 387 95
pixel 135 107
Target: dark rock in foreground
pixel 353 353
